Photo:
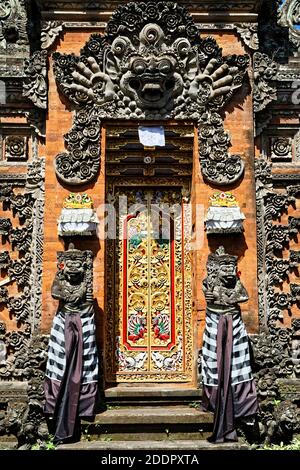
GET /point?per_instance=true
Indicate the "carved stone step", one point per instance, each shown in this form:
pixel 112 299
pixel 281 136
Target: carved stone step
pixel 149 423
pixel 162 395
pixel 178 445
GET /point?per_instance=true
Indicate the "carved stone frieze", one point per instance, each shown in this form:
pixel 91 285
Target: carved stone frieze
pixel 265 71
pixel 26 270
pixel 274 367
pixel 50 31
pixel 35 83
pixel 150 64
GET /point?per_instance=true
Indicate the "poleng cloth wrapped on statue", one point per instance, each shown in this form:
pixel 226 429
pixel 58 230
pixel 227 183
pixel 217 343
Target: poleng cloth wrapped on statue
pixel 227 381
pixel 71 378
pixel 224 215
pixel 78 216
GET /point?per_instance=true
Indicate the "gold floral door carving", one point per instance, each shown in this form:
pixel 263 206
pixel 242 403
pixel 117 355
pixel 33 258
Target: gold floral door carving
pixel 148 322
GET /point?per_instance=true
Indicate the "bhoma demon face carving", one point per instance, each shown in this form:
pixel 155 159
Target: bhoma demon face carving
pixel 152 79
pixel 151 64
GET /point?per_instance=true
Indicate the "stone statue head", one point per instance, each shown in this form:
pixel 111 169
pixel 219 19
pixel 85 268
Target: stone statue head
pixel 72 264
pixel 224 267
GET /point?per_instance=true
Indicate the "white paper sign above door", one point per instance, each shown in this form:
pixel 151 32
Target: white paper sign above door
pixel 153 136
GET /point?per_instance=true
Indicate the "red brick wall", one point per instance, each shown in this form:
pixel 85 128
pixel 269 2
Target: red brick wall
pixel 238 121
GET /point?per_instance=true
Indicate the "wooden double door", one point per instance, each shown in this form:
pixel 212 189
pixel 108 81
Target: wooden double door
pixel 148 326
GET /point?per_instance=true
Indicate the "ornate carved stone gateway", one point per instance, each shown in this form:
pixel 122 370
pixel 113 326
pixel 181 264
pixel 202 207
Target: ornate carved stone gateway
pixel 148 318
pixel 82 93
pixel 151 64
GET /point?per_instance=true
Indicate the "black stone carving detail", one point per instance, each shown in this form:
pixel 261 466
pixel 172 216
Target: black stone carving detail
pixel 3 298
pixel 22 205
pixel 16 148
pixel 50 31
pixel 13 21
pixel 21 237
pixel 275 374
pixel 19 270
pixel 35 83
pixel 278 237
pixel 151 64
pixel 276 350
pixel 19 306
pixel 265 71
pixel 295 292
pixel 5 226
pixel 289 17
pixel 5 192
pixel 68 283
pixel 294 258
pixel 294 224
pixel 248 33
pixel 25 271
pixel 4 259
pixel 281 148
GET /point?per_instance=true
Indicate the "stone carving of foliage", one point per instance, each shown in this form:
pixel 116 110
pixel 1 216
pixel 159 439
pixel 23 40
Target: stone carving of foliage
pixel 35 83
pixel 265 71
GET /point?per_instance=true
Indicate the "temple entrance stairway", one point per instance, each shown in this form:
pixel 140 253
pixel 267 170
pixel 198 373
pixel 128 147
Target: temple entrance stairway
pixel 150 419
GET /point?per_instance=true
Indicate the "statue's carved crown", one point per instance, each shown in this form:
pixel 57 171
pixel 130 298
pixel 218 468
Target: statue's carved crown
pixel 74 254
pixel 221 257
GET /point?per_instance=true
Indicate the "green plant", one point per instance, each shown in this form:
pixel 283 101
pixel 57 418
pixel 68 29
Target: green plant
pixel 294 445
pixel 44 445
pixel 276 402
pixel 194 404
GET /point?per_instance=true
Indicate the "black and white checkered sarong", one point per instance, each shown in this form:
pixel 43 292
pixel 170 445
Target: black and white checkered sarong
pixel 57 355
pixel 240 356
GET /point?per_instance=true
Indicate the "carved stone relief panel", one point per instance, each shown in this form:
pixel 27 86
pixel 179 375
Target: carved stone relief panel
pixel 20 263
pixel 151 64
pixel 16 148
pixel 15 143
pixel 281 144
pixel 276 349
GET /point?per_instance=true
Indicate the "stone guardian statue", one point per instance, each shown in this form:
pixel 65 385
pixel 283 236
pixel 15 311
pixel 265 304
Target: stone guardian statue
pixel 228 386
pixel 71 380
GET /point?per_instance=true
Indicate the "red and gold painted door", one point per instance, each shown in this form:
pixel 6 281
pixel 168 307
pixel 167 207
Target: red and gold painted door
pixel 149 332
